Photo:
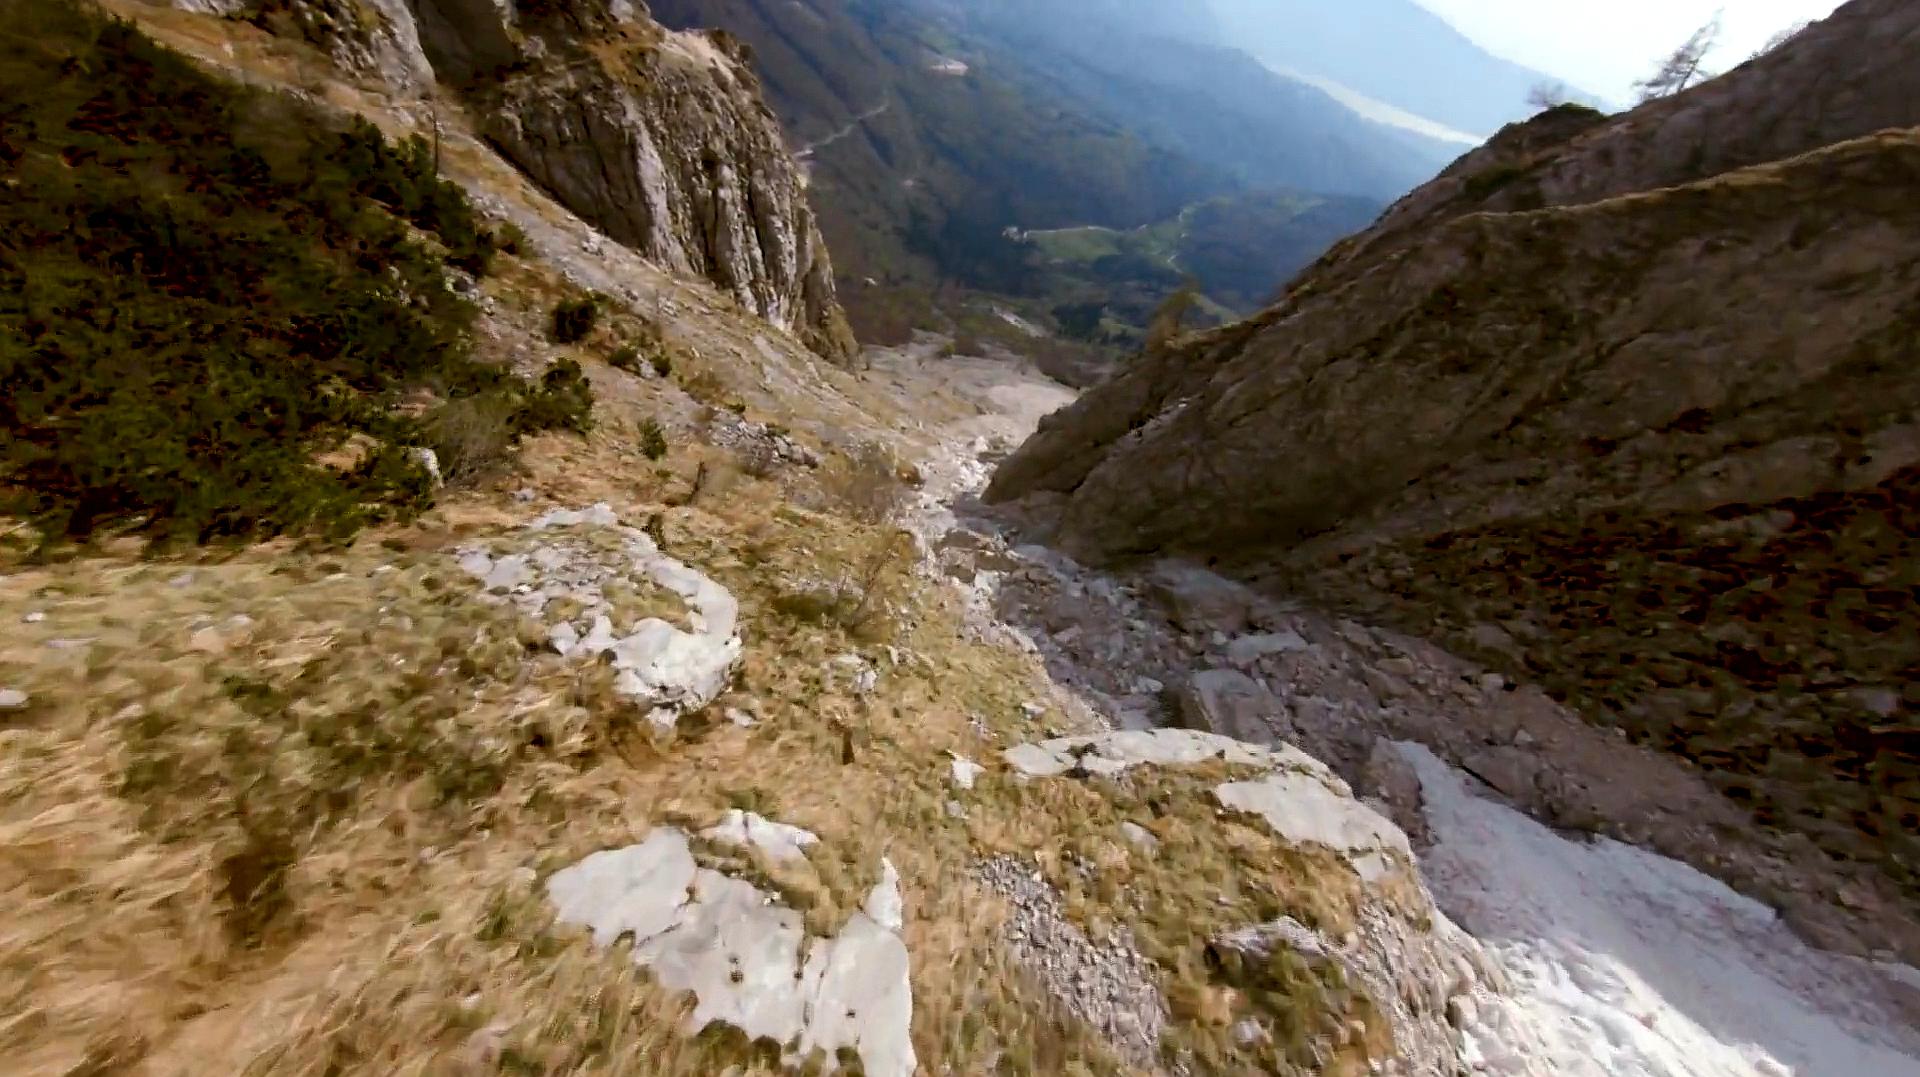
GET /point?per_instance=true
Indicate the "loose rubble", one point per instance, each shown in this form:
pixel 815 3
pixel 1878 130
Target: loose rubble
pixel 1108 984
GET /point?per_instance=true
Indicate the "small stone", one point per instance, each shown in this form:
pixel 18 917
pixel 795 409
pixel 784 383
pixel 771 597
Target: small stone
pixel 428 461
pixel 207 641
pixel 1492 637
pixel 1400 666
pixel 12 699
pixel 1463 1011
pixel 1032 710
pixel 964 771
pixel 1248 1033
pixel 1523 738
pixel 1492 682
pixel 956 810
pixel 740 717
pixel 883 903
pixel 1139 837
pixel 35 617
pixel 1881 702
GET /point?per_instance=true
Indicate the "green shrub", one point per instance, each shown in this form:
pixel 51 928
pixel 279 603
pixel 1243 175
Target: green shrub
pixel 207 293
pixel 627 358
pixel 473 437
pixel 511 239
pixel 562 401
pixel 653 439
pixel 573 319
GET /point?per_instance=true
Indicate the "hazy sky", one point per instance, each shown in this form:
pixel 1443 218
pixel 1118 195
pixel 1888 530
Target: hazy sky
pixel 1603 47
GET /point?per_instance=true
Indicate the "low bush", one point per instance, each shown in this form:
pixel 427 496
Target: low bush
pixel 653 439
pixel 627 358
pixel 511 239
pixel 573 319
pixel 563 400
pixel 705 386
pixel 472 438
pixel 865 484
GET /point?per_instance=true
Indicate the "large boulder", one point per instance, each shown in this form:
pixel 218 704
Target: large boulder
pixel 1640 390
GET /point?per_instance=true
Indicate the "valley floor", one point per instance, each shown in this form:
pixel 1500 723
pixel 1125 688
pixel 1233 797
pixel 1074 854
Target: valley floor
pixel 1619 961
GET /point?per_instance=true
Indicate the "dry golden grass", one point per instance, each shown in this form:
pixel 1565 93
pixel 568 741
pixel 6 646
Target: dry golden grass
pixel 314 842
pixel 311 843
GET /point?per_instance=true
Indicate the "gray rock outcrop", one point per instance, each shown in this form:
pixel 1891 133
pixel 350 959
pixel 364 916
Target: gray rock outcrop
pixel 1405 958
pixel 1623 406
pixel 670 150
pixel 748 960
pixel 659 138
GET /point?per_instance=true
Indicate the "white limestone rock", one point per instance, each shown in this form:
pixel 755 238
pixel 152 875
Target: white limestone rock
pixel 783 843
pixel 1302 810
pixel 1116 752
pixel 965 770
pixel 674 669
pixel 747 959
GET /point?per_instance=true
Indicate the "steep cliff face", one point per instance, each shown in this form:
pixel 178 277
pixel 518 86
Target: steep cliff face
pixel 663 140
pixel 1626 405
pixel 660 138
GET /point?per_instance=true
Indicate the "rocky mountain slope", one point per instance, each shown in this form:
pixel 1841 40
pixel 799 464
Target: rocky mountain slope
pixel 1624 406
pixel 710 729
pixel 660 138
pixel 658 723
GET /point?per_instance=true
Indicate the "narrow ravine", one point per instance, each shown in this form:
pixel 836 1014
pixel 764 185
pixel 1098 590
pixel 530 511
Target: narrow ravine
pixel 1617 961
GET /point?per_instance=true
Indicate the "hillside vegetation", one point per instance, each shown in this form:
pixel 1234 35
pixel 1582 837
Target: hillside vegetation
pixel 211 301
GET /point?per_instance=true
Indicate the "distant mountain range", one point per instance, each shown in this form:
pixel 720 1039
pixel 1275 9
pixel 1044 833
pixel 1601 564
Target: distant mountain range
pixel 1393 51
pixel 937 132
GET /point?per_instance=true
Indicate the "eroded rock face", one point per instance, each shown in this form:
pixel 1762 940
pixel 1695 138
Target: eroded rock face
pixel 1625 405
pixel 663 141
pixel 659 138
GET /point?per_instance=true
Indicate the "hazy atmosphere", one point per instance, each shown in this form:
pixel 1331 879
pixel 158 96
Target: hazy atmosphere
pixel 1604 48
